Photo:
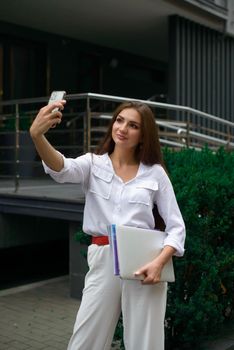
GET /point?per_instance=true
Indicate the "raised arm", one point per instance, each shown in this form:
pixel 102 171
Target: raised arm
pixel 45 120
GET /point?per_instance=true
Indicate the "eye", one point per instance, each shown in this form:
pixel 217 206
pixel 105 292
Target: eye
pixel 133 126
pixel 118 119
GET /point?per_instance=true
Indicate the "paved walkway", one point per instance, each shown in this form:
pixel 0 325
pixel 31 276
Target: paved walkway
pixel 41 316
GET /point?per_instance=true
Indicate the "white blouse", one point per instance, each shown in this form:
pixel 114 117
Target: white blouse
pixel 109 200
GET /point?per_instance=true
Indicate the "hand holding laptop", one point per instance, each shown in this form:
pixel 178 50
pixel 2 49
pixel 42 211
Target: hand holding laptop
pixel 152 271
pixel 135 252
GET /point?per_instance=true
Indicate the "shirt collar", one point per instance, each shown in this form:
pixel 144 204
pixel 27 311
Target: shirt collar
pixel 142 167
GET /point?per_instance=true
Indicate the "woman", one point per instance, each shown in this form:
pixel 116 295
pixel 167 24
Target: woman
pixel 122 182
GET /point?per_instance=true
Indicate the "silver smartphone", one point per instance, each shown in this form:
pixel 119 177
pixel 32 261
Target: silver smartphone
pixel 56 96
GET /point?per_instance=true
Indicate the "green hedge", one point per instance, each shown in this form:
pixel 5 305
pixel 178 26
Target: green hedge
pixel 202 298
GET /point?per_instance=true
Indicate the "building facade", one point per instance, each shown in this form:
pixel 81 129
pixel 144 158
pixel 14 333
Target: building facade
pixel 177 51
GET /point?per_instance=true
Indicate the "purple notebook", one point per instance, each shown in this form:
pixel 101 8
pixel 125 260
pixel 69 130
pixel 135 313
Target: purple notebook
pixel 113 244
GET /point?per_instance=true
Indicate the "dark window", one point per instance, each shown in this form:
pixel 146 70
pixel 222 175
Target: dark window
pixel 1 73
pixel 25 70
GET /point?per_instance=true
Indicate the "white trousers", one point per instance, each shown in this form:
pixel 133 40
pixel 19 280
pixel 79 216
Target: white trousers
pixel 105 295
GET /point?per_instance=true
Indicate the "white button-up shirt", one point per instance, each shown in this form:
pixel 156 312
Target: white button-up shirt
pixel 109 200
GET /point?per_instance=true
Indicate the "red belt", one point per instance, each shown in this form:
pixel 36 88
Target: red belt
pixel 100 240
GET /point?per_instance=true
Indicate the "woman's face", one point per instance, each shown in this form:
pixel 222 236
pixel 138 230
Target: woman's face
pixel 126 130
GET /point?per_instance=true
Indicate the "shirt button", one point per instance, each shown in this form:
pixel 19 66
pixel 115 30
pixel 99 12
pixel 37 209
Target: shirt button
pixel 118 208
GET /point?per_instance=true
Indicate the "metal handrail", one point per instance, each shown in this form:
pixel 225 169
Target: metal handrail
pixel 184 133
pixel 194 133
pixel 160 105
pixel 122 99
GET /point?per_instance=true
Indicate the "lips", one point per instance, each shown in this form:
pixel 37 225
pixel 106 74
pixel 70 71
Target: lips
pixel 121 137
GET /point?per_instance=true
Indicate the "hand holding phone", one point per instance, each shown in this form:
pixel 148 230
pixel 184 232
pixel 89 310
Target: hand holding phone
pixel 56 96
pixel 45 119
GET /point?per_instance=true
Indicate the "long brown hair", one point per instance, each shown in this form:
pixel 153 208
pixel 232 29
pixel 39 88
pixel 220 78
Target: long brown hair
pixel 147 152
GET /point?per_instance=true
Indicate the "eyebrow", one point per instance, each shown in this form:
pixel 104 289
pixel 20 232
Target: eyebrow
pixel 130 121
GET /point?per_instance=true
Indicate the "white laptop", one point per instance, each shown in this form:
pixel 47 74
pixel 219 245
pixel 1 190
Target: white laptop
pixel 134 247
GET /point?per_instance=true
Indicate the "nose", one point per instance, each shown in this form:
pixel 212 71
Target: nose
pixel 123 128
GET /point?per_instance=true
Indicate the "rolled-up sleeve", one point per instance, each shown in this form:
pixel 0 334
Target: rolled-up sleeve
pixel 74 170
pixel 169 210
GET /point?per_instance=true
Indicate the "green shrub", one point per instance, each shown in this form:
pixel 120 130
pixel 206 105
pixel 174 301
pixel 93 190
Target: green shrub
pixel 202 298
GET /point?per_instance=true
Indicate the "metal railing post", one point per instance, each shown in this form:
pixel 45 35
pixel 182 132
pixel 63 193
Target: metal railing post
pixel 17 145
pixel 88 126
pixel 188 130
pixel 228 137
pixel 85 132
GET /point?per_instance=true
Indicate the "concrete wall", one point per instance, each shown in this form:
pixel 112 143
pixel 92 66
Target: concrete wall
pixel 77 263
pixel 16 230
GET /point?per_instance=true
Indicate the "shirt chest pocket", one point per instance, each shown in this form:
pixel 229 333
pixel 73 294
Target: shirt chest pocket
pixel 143 193
pixel 101 182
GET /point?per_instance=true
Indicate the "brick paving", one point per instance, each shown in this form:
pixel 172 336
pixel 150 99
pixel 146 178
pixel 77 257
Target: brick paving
pixel 41 317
